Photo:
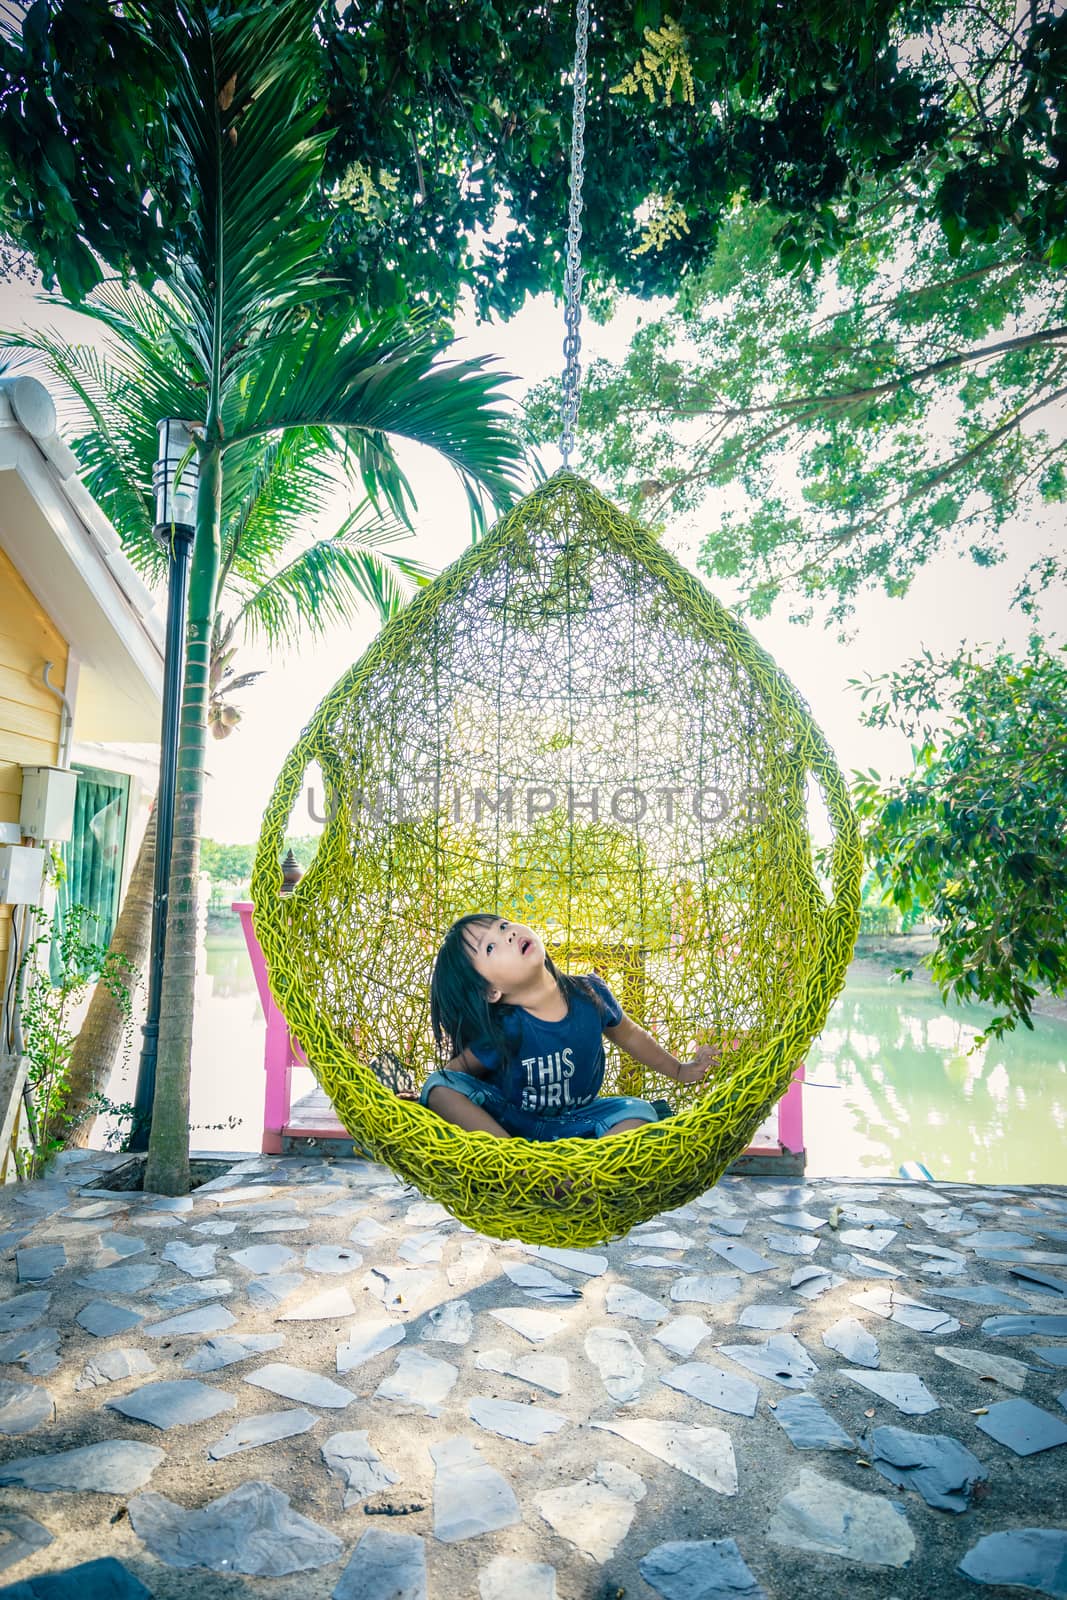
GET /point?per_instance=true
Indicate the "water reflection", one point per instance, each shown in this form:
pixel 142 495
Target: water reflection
pixel 889 1080
pixel 905 1089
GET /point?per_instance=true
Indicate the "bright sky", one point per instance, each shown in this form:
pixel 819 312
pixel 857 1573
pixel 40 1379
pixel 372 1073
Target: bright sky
pixel 951 601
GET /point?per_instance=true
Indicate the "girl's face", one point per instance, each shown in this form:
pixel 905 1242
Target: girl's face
pixel 506 954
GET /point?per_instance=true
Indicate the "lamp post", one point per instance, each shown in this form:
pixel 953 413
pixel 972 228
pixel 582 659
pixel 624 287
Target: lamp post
pixel 174 482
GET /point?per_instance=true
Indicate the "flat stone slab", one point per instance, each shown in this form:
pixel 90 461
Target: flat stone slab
pixel 253 1530
pixel 706 1454
pixel 368 1232
pixel 533 1325
pixel 792 1244
pixel 1026 1558
pixel 418 1380
pixel 652 1237
pixel 782 1359
pixel 297 1383
pixel 23 1407
pixel 624 1301
pixel 584 1261
pixel 700 1289
pixel 199 1292
pixel 985 1366
pixel 810 1282
pixel 367 1338
pixel 117 1247
pixel 22 1310
pixel 849 1338
pixel 905 1390
pixel 267 1428
pixel 682 1334
pixel 699 1569
pixel 506 1578
pixel 740 1256
pixel 1023 1427
pixel 265 1293
pixel 409 1290
pixel 829 1518
pixel 385 1566
pixel 202 1319
pixel 103 1579
pixel 594 1514
pixel 1039 1326
pixel 332 1258
pixel 325 1306
pixel 714 1387
pixel 36 1349
pixel 538 1368
pixel 173 1403
pixel 766 1317
pixel 526 1424
pixel 20 1536
pixel 876 1239
pixel 469 1496
pixel 935 1465
pixel 116 1466
pixel 38 1262
pixel 913 1314
pixel 452 1323
pixel 229 1348
pixel 538 1282
pixel 112 1365
pixel 802 1221
pixel 134 1279
pixel 353 1459
pixel 809 1426
pixel 196 1260
pixel 262 1258
pixel 618 1360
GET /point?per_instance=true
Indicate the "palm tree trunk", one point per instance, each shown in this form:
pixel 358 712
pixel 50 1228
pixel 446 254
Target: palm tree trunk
pixel 100 1035
pixel 167 1170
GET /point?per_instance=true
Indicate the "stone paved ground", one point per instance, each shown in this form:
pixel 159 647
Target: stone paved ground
pixel 307 1381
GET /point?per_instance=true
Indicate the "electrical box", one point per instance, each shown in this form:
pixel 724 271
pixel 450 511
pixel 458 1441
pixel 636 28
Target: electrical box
pixel 10 833
pixel 47 809
pixel 21 874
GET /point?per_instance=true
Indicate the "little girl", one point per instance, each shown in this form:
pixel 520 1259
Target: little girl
pixel 527 1056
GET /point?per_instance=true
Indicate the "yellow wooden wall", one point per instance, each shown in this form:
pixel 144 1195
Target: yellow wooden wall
pixel 29 715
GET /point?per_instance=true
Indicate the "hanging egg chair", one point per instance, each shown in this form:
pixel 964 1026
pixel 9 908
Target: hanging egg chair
pixel 566 728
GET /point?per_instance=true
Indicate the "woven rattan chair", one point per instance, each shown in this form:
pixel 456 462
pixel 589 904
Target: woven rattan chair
pixel 566 728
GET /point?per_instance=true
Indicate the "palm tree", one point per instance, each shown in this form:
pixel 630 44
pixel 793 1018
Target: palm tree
pixel 241 349
pixel 275 581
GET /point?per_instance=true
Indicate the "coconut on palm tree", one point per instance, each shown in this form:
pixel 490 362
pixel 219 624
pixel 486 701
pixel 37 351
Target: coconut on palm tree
pixel 244 342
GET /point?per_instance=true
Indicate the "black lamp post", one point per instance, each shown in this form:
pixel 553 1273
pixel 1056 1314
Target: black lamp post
pixel 174 480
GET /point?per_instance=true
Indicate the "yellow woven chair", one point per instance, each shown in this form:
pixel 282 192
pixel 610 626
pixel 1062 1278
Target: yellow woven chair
pixel 566 728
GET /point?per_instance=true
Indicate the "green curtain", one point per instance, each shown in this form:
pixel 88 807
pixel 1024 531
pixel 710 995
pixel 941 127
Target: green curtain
pixel 93 858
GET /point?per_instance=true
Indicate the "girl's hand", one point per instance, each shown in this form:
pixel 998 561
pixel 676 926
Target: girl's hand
pixel 693 1071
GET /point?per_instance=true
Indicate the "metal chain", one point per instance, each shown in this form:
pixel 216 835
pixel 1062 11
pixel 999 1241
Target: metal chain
pixel 572 278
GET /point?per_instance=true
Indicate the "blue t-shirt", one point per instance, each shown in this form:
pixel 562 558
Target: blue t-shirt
pixel 554 1066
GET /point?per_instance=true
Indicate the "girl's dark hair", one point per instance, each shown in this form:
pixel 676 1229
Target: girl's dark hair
pixel 460 1013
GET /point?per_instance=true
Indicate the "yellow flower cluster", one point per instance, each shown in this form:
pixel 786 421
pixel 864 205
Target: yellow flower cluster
pixel 358 187
pixel 663 60
pixel 667 220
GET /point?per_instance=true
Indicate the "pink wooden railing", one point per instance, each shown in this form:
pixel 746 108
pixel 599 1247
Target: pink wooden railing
pixel 281 1054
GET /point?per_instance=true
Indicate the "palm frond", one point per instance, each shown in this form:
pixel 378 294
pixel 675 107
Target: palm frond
pixel 324 584
pixel 278 484
pixel 245 111
pixel 381 381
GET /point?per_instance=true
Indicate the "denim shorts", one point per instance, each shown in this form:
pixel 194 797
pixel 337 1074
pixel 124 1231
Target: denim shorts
pixel 584 1122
